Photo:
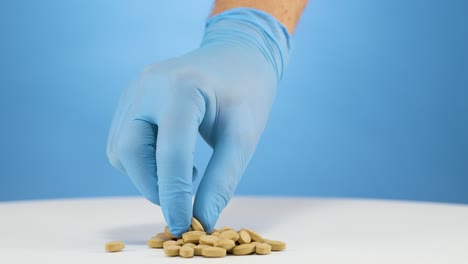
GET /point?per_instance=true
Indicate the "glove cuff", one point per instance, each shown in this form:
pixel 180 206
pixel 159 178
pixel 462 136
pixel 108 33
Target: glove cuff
pixel 251 26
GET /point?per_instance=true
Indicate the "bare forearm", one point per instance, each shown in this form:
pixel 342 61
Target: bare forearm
pixel 287 12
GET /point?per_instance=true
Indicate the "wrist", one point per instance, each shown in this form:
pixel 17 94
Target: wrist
pixel 252 28
pixel 287 12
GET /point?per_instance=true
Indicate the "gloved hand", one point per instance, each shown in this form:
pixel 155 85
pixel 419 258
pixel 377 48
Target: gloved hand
pixel 224 90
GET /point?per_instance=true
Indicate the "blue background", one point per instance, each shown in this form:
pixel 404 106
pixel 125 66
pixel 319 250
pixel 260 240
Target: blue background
pixel 374 102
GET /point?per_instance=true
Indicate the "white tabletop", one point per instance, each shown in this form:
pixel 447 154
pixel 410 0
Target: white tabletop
pixel 316 231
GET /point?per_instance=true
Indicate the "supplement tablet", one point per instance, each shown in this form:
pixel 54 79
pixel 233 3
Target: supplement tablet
pixel 255 243
pixel 186 252
pixel 171 243
pixel 225 243
pixel 230 234
pixel 162 236
pixel 243 249
pixel 254 235
pixel 213 252
pixel 114 246
pixel 192 236
pixel 225 228
pixel 263 249
pixel 172 251
pixel 198 249
pixel 196 225
pixel 244 237
pixel 155 242
pixel 189 245
pixel 276 245
pixel 208 240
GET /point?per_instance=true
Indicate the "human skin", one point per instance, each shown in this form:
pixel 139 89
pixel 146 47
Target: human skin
pixel 287 12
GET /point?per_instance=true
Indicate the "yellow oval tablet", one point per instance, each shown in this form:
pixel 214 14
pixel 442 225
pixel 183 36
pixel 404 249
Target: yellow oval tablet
pixel 254 235
pixel 230 234
pixel 114 246
pixel 244 237
pixel 275 244
pixel 263 249
pixel 156 242
pixel 198 249
pixel 225 228
pixel 192 236
pixel 189 245
pixel 161 236
pixel 172 251
pixel 255 243
pixel 243 249
pixel 171 243
pixel 225 243
pixel 208 240
pixel 186 252
pixel 196 225
pixel 213 252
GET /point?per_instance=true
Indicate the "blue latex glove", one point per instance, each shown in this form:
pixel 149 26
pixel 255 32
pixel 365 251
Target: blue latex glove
pixel 224 90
